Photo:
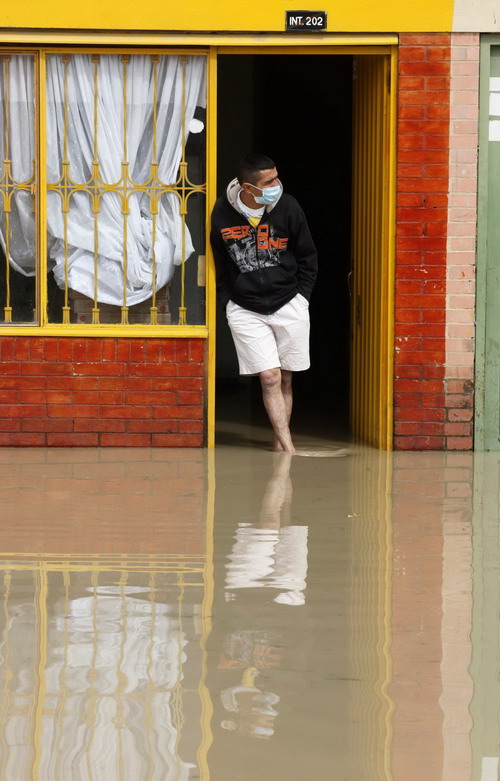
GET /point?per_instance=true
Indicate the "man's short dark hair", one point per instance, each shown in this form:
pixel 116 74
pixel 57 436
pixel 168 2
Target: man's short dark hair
pixel 250 166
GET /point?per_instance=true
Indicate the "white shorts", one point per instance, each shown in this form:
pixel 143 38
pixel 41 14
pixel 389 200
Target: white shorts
pixel 280 340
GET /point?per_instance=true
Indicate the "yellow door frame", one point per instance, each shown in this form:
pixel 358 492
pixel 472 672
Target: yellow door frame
pixel 385 45
pixel 227 43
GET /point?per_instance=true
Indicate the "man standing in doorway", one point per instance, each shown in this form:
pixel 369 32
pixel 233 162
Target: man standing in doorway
pixel 266 265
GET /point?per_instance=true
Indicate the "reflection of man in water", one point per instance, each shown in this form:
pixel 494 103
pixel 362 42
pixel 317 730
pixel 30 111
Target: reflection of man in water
pixel 270 555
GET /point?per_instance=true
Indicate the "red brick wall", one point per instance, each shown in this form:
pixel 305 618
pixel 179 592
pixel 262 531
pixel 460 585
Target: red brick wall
pixel 422 214
pixel 65 391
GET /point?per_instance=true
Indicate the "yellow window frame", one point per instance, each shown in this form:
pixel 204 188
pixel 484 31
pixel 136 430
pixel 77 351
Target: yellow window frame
pixel 44 327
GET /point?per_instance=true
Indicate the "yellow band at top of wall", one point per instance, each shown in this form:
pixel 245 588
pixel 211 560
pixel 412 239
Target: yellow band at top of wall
pixel 225 15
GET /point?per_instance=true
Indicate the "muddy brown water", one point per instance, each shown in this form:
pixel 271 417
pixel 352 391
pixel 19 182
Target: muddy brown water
pixel 180 614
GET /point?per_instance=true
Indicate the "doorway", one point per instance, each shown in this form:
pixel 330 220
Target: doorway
pixel 299 110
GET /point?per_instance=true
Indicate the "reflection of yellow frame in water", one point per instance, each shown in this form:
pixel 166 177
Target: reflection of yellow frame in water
pixel 199 566
pixel 372 568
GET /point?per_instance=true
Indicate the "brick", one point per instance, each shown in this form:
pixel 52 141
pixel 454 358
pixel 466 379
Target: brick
pixel 181 413
pixel 65 349
pixel 50 350
pixel 150 397
pixel 39 368
pixel 99 425
pixel 429 301
pixel 23 439
pixel 432 429
pixel 48 424
pixel 418 386
pixel 412 53
pixel 31 397
pixel 80 350
pixel 424 68
pixel 419 443
pixel 122 350
pixel 424 39
pixel 190 369
pixel 405 427
pixel 138 350
pixel 59 397
pixel 191 426
pixel 197 350
pixel 411 111
pixel 153 426
pixel 72 410
pixel 108 350
pixel 72 440
pixel 178 383
pixel 10 425
pixel 94 350
pixel 151 369
pixel 111 383
pixel 408 372
pixel 419 413
pixel 413 82
pixel 23 410
pixel 98 397
pixel 177 440
pixel 153 347
pixel 440 111
pixel 422 97
pixel 433 400
pixel 22 348
pixel 462 429
pixel 125 440
pixel 122 411
pixel 9 367
pixel 460 414
pixel 433 372
pixel 459 443
pixel 7 348
pixel 13 396
pixel 435 53
pixel 407 399
pixel 167 350
pixel 99 369
pixel 142 383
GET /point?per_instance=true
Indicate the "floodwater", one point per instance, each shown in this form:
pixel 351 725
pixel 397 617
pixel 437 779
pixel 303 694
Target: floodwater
pixel 179 614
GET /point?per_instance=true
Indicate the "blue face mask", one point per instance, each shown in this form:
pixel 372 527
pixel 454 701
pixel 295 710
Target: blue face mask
pixel 269 194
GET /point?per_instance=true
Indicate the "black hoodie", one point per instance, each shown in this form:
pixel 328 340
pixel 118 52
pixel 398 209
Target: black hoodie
pixel 262 268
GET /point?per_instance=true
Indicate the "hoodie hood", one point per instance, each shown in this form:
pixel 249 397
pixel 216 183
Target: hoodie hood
pixel 234 188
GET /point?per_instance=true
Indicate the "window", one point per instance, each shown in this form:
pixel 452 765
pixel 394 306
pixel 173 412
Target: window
pixel 115 225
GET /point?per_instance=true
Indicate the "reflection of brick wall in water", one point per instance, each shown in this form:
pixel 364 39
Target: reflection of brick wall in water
pixel 108 392
pixel 431 613
pixel 144 503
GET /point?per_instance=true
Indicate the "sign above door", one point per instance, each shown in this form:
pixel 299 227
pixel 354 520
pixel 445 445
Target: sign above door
pixel 305 21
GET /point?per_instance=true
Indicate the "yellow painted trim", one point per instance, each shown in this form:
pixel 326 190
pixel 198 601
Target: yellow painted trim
pixel 41 187
pixel 354 48
pixel 388 438
pixel 137 330
pixel 46 38
pixel 210 200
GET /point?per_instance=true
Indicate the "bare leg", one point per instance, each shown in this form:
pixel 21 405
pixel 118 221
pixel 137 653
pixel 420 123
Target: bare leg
pixel 286 389
pixel 276 407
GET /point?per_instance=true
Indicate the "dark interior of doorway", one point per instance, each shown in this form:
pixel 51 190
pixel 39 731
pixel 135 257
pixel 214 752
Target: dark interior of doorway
pixel 298 110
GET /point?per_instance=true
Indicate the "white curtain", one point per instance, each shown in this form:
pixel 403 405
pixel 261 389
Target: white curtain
pixel 21 131
pixel 80 151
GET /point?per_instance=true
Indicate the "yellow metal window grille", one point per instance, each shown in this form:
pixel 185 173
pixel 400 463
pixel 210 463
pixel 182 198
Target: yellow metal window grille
pixel 18 250
pixel 118 187
pixel 121 159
